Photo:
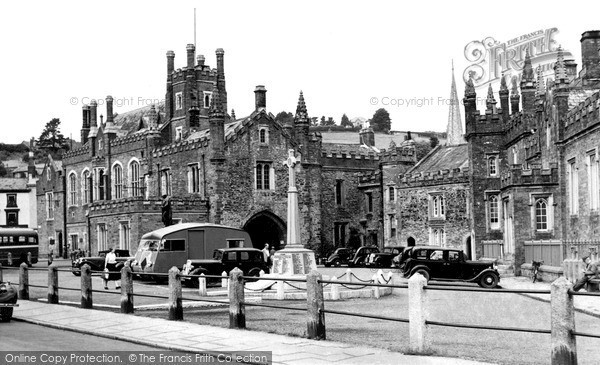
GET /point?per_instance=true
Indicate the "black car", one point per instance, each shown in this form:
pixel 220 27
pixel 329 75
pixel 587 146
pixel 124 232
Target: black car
pixel 8 300
pixel 384 258
pixel 361 255
pixel 97 262
pixel 341 256
pixel 449 264
pixel 250 260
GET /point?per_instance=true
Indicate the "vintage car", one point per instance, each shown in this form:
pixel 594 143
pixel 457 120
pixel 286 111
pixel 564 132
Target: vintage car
pixel 97 262
pixel 250 260
pixel 341 256
pixel 449 264
pixel 361 255
pixel 8 300
pixel 384 258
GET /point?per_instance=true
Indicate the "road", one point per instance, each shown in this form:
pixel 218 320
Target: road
pixel 20 336
pixel 490 309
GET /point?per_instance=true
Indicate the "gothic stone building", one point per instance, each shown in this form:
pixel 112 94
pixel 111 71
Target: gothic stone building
pixel 527 175
pixel 215 167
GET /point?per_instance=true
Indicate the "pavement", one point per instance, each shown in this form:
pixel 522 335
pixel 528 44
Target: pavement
pixel 190 337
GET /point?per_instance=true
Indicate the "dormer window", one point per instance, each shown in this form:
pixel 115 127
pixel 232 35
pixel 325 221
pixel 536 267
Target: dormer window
pixel 207 96
pixel 178 133
pixel 178 101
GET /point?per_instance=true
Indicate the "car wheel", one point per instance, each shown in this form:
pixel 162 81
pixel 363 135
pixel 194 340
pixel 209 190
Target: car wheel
pixel 488 280
pixel 337 263
pixel 6 314
pixel 423 272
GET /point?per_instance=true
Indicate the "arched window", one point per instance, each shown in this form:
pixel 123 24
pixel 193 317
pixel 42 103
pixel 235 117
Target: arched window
pixel 494 212
pixel 72 189
pixel 541 215
pixel 118 181
pixel 392 194
pixel 134 178
pixel 85 186
pixel 492 166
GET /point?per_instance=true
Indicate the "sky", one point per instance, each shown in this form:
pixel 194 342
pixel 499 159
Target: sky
pixel 350 57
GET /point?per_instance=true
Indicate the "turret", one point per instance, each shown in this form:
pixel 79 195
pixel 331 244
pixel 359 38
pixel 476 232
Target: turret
pixel 470 103
pixel 514 96
pixel 528 87
pixel 503 93
pixel 216 122
pixel 301 123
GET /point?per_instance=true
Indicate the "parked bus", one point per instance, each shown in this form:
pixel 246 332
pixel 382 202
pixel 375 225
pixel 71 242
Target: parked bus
pixel 170 246
pixel 19 242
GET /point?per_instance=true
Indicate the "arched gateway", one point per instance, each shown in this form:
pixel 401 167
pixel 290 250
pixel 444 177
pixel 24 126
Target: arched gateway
pixel 266 227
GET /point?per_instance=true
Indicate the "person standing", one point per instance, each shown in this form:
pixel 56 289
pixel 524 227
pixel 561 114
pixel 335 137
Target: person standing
pixel 590 272
pixel 50 251
pixel 110 266
pixel 266 253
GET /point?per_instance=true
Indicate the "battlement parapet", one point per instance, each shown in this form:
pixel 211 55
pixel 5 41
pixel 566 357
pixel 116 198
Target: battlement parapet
pixel 343 153
pixel 136 137
pixel 583 115
pixel 84 150
pixel 204 72
pixel 534 175
pixel 399 154
pixel 520 124
pixel 485 123
pixel 441 176
pixel 180 147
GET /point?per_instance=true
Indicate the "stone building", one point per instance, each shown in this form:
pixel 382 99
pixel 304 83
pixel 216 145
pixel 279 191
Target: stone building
pixel 527 179
pixel 214 167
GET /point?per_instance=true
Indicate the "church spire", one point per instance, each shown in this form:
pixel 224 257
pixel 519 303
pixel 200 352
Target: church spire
pixel 560 70
pixel 527 69
pixel 301 112
pixel 454 131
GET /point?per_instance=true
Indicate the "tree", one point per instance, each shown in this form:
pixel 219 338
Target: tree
pixel 314 121
pixel 345 122
pixel 381 121
pixel 433 141
pixel 330 121
pixel 323 121
pixel 285 118
pixel 51 139
pixel 3 171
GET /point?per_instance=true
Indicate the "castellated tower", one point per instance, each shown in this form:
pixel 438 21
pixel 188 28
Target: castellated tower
pixel 485 137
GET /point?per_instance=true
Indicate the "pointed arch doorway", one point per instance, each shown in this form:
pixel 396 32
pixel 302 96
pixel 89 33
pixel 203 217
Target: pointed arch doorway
pixel 266 227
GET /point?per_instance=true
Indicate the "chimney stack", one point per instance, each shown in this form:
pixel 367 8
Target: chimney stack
pixel 590 44
pixel 109 109
pixel 260 97
pixel 200 59
pixel 170 62
pixel 191 55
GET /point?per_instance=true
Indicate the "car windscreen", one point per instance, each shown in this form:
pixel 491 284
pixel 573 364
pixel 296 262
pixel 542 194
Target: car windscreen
pixel 148 245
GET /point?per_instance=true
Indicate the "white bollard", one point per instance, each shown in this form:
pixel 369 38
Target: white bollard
pixel 202 285
pixel 261 273
pixel 280 290
pixel 349 275
pixel 417 314
pixel 335 289
pixel 376 293
pixel 224 281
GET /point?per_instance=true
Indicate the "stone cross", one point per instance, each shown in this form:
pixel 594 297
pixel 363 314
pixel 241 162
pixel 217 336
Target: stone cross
pixel 291 162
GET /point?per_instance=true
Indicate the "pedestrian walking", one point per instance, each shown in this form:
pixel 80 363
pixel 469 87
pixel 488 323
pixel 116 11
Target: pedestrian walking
pixel 590 272
pixel 110 268
pixel 266 252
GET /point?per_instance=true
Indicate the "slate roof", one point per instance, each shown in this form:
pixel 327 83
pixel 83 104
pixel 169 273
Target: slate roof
pixel 130 122
pixel 13 184
pixel 443 158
